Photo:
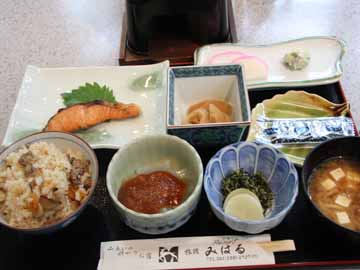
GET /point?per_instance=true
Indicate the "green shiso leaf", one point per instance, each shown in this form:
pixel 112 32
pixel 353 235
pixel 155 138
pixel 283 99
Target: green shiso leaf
pixel 88 93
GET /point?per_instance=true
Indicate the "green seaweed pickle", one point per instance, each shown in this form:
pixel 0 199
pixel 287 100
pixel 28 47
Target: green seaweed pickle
pixel 255 183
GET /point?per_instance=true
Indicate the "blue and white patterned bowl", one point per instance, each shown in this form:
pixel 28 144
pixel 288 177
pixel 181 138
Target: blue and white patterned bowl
pixel 278 171
pixel 190 85
pixel 156 153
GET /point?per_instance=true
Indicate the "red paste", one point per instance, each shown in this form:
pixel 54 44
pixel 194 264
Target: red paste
pixel 149 193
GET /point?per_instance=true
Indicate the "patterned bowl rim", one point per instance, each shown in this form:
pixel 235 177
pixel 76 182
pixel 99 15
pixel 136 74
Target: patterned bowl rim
pixel 237 146
pixel 185 204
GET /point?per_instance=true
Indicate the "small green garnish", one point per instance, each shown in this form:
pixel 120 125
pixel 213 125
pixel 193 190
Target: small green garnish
pixel 255 183
pixel 148 81
pixel 88 93
pixel 296 60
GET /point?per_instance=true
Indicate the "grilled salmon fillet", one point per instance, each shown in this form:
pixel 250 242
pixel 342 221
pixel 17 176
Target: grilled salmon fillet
pixel 85 115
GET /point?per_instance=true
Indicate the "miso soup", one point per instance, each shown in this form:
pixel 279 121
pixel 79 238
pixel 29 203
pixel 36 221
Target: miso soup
pixel 335 190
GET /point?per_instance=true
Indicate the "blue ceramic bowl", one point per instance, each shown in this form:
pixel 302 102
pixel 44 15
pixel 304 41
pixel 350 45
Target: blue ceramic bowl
pixel 278 171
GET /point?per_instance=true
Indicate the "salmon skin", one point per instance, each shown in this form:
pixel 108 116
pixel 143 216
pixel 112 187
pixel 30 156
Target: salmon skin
pixel 85 115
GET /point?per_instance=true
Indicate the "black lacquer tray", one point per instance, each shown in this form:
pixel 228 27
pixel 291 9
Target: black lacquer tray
pixel 78 245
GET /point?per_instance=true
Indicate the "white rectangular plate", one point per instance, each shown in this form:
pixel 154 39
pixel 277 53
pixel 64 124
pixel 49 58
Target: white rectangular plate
pixel 40 97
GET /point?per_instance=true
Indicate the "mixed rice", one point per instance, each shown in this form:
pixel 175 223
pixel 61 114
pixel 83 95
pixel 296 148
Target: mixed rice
pixel 40 184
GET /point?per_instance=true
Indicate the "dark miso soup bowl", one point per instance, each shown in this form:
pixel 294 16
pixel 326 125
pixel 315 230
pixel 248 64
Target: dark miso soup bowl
pixel 346 147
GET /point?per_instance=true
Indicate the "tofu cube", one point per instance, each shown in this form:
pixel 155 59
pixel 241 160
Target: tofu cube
pixel 337 174
pixel 353 176
pixel 343 217
pixel 342 200
pixel 328 184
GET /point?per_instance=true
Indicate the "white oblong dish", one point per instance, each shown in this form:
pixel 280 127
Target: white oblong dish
pixel 324 67
pixel 39 98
